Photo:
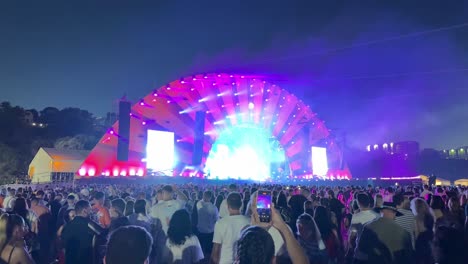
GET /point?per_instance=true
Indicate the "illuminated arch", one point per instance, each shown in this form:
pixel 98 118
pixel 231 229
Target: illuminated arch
pixel 228 100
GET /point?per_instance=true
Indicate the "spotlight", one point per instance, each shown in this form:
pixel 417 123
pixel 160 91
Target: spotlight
pixel 251 105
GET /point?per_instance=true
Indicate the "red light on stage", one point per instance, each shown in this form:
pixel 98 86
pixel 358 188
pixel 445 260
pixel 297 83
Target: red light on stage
pixel 115 172
pixel 82 171
pixel 91 172
pixel 132 172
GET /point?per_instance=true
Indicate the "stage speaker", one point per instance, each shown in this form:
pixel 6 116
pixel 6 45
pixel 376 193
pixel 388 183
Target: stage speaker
pixel 124 131
pixel 307 158
pixel 199 136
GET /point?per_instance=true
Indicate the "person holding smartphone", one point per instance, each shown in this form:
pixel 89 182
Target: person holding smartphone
pixel 254 236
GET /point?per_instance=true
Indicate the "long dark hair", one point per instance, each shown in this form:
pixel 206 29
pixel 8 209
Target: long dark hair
pixel 281 201
pixel 323 221
pixel 255 246
pixel 21 208
pixel 180 227
pixel 8 222
pixel 219 200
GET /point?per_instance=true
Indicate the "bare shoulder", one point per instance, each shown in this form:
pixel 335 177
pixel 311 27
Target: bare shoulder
pixel 20 255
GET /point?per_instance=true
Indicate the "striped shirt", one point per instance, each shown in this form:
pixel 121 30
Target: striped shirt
pixel 407 221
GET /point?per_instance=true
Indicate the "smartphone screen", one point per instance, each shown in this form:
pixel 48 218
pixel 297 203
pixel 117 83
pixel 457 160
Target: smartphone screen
pixel 264 205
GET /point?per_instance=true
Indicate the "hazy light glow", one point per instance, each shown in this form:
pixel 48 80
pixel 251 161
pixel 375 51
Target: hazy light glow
pixel 159 151
pixel 319 161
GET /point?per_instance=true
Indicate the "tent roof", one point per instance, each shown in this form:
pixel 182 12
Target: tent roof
pixel 66 154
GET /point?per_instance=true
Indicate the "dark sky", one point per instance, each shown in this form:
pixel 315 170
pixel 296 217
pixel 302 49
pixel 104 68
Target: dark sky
pixel 378 70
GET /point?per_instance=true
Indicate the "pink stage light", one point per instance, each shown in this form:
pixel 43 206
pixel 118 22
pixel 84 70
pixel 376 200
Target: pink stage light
pixel 140 172
pixel 91 171
pixel 123 173
pixel 82 171
pixel 132 172
pixel 400 178
pixel 115 172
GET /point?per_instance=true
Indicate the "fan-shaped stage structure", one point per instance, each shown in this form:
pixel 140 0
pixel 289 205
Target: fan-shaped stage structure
pixel 251 129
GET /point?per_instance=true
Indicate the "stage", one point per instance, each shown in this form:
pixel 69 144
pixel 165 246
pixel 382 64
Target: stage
pixel 218 126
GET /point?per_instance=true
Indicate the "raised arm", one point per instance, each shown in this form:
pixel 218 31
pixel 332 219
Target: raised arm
pixel 295 250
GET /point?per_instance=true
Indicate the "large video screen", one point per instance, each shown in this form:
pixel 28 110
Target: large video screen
pixel 319 161
pixel 160 151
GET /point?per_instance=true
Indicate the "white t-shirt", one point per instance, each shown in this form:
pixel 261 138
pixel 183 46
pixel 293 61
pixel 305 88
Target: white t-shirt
pixel 207 217
pixel 164 211
pixel 7 202
pixel 364 217
pixel 280 246
pixel 227 232
pixel 223 209
pixel 189 252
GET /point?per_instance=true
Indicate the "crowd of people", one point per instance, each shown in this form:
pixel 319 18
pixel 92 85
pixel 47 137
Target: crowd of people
pixel 208 223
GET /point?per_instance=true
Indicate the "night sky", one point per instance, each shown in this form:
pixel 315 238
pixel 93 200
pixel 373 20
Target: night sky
pixel 379 72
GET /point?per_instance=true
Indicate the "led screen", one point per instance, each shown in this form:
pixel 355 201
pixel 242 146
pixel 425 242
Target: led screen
pixel 263 201
pixel 160 151
pixel 319 161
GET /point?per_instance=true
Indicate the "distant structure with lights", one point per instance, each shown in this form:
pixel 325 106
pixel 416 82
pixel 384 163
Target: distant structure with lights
pixel 404 148
pixel 230 103
pixel 56 165
pixel 455 153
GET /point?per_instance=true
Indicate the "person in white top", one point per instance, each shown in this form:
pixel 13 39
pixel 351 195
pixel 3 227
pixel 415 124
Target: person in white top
pixel 207 217
pixel 183 246
pixel 8 201
pixel 223 208
pixel 164 210
pixel 365 215
pixel 227 230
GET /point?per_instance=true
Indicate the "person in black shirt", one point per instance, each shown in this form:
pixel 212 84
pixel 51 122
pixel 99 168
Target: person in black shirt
pixel 70 204
pixel 118 217
pixel 296 202
pixel 127 239
pixel 78 235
